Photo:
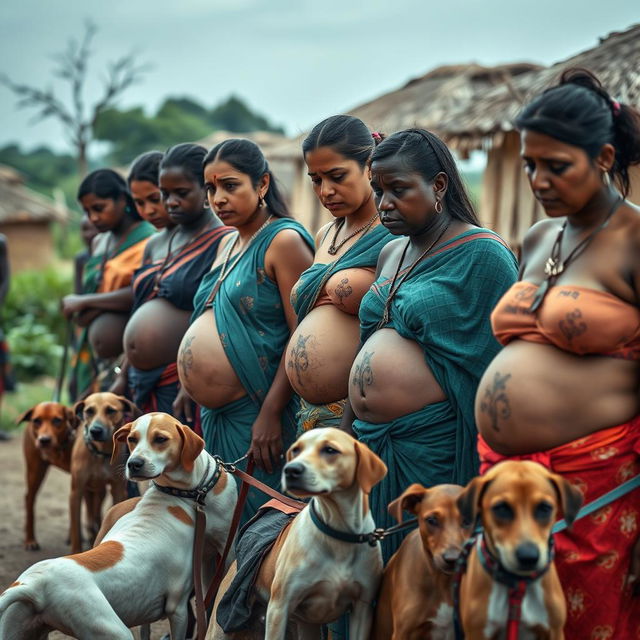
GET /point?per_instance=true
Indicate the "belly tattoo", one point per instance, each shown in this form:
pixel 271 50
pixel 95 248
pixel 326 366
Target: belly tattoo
pixel 363 375
pixel 299 359
pixel 186 357
pixel 496 402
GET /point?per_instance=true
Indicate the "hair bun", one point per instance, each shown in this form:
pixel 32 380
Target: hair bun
pixel 378 137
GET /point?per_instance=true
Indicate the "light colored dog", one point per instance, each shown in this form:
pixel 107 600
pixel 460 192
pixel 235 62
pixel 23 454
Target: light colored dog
pixel 92 467
pixel 309 576
pixel 518 502
pixel 142 570
pixel 415 600
pixel 47 440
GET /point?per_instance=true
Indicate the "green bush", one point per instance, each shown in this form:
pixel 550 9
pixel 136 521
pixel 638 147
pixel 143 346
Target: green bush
pixel 34 350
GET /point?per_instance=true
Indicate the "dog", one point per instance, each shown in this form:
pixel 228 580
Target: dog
pixel 92 468
pixel 415 599
pixel 46 441
pixel 517 502
pixel 142 570
pixel 309 576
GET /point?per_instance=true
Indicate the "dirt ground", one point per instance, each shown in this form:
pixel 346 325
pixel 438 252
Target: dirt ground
pixel 52 520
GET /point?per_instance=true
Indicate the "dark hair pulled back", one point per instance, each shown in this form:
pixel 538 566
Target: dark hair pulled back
pixel 347 135
pixel 580 112
pixel 424 153
pixel 188 157
pixel 106 183
pixel 146 167
pixel 247 157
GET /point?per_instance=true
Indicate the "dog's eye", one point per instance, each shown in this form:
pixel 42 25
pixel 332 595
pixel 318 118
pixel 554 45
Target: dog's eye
pixel 294 451
pixel 110 411
pixel 543 512
pixel 37 422
pixel 502 511
pixel 330 451
pixel 160 439
pixel 56 422
pixel 132 440
pixel 432 521
pixel 89 411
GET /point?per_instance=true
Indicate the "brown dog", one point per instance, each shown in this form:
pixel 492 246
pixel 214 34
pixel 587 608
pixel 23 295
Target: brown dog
pixel 518 502
pixel 415 600
pixel 47 440
pixel 101 414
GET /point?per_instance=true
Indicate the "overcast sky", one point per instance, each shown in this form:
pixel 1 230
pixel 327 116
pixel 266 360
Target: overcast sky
pixel 295 61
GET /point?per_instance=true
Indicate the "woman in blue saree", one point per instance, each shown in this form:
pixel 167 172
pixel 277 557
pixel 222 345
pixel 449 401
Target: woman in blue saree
pixel 231 360
pixel 425 331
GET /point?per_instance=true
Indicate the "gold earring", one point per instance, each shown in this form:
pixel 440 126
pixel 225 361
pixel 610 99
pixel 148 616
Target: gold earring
pixel 438 206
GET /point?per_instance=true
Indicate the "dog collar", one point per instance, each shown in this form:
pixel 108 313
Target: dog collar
pixel 199 494
pixel 92 447
pixel 355 538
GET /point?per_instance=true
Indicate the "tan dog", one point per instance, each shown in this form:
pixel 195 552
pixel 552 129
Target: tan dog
pixel 143 569
pixel 47 440
pixel 92 471
pixel 415 600
pixel 518 503
pixel 311 577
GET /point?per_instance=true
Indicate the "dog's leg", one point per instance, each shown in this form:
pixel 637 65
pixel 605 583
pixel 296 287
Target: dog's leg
pixel 94 507
pixel 307 631
pixel 178 621
pixel 280 604
pixel 145 632
pixel 75 514
pixel 360 620
pixel 36 472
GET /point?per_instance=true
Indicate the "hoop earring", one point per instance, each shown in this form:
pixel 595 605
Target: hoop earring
pixel 260 202
pixel 606 179
pixel 438 206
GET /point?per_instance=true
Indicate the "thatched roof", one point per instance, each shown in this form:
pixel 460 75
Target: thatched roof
pixel 21 204
pixel 615 61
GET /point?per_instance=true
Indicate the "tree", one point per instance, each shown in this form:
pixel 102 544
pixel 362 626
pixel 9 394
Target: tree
pixel 78 120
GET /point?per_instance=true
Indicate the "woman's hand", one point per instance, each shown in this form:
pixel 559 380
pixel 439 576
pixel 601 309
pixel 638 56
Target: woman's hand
pixel 183 406
pixel 72 304
pixel 266 439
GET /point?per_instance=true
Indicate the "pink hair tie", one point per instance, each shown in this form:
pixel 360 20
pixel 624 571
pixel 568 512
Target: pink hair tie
pixel 376 136
pixel 615 105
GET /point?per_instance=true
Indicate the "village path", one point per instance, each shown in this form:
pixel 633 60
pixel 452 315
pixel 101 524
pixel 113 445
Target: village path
pixel 52 520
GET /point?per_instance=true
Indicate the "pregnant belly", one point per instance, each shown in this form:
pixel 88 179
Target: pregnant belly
pixel 203 367
pixel 320 354
pixel 105 334
pixel 154 333
pixel 534 397
pixel 390 378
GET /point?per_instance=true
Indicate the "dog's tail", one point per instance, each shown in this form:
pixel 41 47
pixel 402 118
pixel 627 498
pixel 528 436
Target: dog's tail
pixel 17 592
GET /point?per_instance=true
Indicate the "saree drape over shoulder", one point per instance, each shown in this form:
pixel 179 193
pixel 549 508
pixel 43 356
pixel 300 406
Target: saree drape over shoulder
pixel 444 306
pixel 104 273
pixel 363 254
pixel 254 332
pixel 177 279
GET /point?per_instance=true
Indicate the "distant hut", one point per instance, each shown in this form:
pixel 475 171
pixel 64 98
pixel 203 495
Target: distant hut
pixel 25 219
pixel 486 122
pixel 423 102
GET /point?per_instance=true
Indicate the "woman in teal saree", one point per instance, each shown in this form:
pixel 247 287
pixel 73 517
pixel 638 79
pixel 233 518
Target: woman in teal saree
pixel 231 358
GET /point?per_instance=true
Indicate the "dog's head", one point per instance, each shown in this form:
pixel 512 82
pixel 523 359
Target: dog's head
pixel 51 425
pixel 158 443
pixel 442 529
pixel 102 413
pixel 325 460
pixel 518 502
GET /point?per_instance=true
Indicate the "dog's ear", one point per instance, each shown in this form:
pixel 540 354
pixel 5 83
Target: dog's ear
pixel 25 416
pixel 370 469
pixel 469 500
pixel 192 446
pixel 78 408
pixel 570 497
pixel 129 407
pixel 408 501
pixel 72 418
pixel 120 436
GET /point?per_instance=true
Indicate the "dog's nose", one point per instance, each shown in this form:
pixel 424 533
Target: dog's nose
pixel 97 433
pixel 527 555
pixel 44 441
pixel 135 464
pixel 293 470
pixel 450 556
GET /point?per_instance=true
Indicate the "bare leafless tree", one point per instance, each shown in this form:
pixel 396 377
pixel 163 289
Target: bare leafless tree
pixel 71 66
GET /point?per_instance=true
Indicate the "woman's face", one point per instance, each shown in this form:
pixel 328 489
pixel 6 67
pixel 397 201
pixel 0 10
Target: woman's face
pixel 562 177
pixel 341 185
pixel 148 200
pixel 231 193
pixel 405 200
pixel 182 195
pixel 105 213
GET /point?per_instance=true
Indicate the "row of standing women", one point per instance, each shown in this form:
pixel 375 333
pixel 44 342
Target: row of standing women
pixel 389 330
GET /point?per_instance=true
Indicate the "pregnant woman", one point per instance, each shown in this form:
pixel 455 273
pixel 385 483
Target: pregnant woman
pixel 327 296
pixel 564 390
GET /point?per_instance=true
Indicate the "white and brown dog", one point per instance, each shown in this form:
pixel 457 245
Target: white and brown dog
pixel 518 502
pixel 310 575
pixel 142 570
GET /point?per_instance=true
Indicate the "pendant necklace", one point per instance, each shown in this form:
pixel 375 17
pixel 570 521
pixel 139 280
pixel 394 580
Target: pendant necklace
pixel 333 248
pixel 555 266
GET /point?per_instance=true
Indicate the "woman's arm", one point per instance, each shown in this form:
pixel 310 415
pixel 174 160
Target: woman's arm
pixel 120 300
pixel 287 257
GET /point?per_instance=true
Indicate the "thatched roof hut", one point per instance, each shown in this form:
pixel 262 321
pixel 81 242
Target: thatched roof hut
pixel 486 122
pixel 25 218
